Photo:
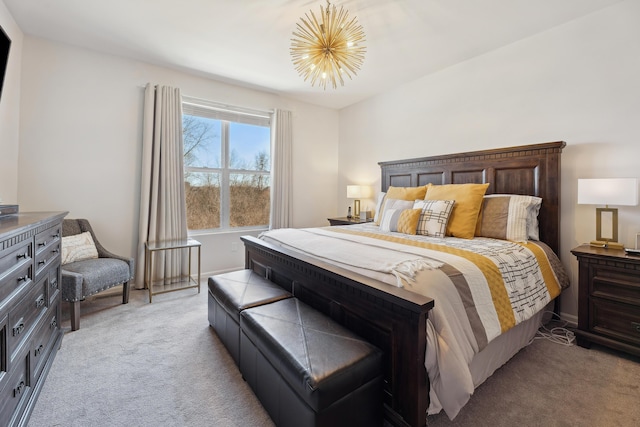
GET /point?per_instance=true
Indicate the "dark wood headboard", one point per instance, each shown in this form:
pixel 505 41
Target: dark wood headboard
pixel 529 170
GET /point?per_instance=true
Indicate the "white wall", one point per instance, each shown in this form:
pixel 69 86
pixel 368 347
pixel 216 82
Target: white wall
pixel 10 111
pixel 80 144
pixel 578 82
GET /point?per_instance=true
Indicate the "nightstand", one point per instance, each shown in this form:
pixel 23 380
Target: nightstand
pixel 608 298
pixel 347 221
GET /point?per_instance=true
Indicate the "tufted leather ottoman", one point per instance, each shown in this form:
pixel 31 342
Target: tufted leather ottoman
pixel 229 294
pixel 307 370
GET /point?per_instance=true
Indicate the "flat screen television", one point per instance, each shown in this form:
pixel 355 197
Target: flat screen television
pixel 5 44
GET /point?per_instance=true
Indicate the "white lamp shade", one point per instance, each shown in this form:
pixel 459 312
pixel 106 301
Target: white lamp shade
pixel 358 191
pixel 608 191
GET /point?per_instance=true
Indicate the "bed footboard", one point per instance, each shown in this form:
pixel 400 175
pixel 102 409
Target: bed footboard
pixel 391 318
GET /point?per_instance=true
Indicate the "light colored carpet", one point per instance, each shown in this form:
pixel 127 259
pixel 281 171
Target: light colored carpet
pixel 161 364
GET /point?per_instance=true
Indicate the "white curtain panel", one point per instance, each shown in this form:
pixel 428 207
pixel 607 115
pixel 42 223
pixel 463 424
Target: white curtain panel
pixel 163 214
pixel 281 200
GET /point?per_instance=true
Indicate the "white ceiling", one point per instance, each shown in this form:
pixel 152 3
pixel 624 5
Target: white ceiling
pixel 247 42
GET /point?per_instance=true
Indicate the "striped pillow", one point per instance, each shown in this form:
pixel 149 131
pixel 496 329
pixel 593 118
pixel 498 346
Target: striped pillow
pixel 508 217
pixel 434 217
pixel 389 203
pixel 400 220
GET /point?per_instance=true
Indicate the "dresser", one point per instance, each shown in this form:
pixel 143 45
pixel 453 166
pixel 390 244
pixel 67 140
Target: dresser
pixel 30 332
pixel 608 298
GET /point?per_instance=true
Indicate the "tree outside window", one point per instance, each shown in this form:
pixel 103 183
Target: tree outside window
pixel 227 171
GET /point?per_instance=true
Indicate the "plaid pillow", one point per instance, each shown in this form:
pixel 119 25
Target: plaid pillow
pixel 434 217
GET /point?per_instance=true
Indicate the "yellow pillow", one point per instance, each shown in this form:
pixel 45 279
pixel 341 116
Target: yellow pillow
pixel 407 193
pixel 468 197
pixel 400 220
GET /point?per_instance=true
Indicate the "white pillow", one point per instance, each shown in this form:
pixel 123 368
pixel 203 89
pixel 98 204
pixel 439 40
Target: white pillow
pixel 393 204
pixel 78 247
pixel 376 217
pixel 435 216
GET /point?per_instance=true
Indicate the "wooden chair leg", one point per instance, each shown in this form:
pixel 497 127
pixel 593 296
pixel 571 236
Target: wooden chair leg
pixel 75 315
pixel 125 293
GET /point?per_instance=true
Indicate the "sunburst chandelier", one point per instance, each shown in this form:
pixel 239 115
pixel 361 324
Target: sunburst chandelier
pixel 327 49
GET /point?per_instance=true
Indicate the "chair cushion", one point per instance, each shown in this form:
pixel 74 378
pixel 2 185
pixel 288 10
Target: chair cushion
pixel 99 274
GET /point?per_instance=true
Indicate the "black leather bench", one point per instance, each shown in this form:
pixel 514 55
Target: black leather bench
pixel 308 370
pixel 229 294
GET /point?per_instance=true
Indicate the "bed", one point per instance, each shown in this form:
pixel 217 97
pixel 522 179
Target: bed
pixel 396 318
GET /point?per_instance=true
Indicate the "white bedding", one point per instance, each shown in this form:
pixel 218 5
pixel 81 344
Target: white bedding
pixel 466 316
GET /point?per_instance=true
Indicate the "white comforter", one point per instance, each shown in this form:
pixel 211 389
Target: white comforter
pixel 469 312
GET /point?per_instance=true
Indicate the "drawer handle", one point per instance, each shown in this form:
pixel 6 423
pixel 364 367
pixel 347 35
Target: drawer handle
pixel 56 236
pixel 636 326
pixel 53 284
pixel 22 278
pixel 40 301
pixel 44 243
pixel 53 324
pixel 24 255
pixel 44 261
pixel 38 350
pixel 17 330
pixel 55 251
pixel 19 389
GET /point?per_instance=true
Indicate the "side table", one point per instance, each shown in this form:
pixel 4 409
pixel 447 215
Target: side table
pixel 608 298
pixel 347 221
pixel 167 245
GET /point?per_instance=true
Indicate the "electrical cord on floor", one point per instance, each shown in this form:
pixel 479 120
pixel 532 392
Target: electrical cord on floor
pixel 557 334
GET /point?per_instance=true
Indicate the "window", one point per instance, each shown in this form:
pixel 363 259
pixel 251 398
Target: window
pixel 227 163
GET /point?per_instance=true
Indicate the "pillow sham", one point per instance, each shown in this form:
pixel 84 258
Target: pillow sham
pixel 464 215
pixel 78 247
pixel 509 217
pixel 376 216
pixel 407 193
pixel 434 217
pixel 533 225
pixel 390 203
pixel 400 220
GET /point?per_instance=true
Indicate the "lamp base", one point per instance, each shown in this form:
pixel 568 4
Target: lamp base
pixel 606 244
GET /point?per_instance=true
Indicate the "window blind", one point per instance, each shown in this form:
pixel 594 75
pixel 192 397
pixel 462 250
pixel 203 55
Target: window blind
pixel 213 110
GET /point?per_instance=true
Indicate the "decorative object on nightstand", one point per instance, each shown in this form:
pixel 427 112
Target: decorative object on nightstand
pixel 357 192
pixel 607 191
pixel 608 298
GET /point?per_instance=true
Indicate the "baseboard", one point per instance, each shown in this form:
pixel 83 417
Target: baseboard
pixel 571 319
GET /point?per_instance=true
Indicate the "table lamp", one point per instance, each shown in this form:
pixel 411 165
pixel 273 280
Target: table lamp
pixel 607 191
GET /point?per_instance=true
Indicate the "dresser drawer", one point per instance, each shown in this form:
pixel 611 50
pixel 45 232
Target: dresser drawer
pixel 54 284
pixel 15 256
pixel 616 320
pixel 47 237
pixel 14 262
pixel 48 244
pixel 616 284
pixel 16 282
pixel 26 313
pixel 43 340
pixel 16 390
